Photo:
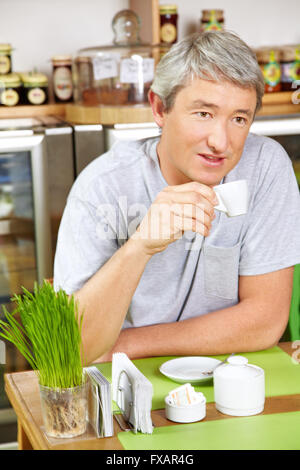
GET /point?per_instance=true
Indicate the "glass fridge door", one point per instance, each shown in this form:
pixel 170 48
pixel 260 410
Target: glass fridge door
pixel 25 233
pixel 18 265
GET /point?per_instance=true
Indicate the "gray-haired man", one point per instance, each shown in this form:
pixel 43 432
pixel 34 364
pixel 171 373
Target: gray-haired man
pixel 200 282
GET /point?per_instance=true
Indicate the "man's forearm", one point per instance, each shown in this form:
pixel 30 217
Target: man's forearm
pixel 234 329
pixel 256 322
pixel 104 300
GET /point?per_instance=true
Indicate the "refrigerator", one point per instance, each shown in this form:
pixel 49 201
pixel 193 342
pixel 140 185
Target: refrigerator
pixel 36 174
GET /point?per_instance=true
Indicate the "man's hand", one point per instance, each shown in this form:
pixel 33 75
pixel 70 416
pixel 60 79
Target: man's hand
pixel 176 209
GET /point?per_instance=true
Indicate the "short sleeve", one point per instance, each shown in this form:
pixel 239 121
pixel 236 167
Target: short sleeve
pixel 271 239
pixel 85 242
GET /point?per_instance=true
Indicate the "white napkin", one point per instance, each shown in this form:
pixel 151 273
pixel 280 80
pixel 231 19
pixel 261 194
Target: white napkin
pixel 99 403
pixel 132 392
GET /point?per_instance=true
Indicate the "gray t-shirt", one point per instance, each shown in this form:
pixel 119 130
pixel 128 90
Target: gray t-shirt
pixel 192 276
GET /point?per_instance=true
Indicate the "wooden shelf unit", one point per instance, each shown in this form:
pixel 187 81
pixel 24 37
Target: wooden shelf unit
pixel 51 109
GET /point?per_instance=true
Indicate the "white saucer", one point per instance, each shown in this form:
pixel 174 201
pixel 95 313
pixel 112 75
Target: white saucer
pixel 189 369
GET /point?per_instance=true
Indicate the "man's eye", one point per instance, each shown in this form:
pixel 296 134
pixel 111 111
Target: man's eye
pixel 240 120
pixel 203 114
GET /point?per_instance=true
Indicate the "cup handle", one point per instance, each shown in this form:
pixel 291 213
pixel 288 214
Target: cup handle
pixel 221 206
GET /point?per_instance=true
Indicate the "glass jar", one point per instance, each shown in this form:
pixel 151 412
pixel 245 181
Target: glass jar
pixel 82 76
pixel 168 23
pixel 116 74
pixel 64 410
pixel 212 20
pixel 35 88
pixel 269 61
pixel 290 66
pixel 10 90
pixel 62 78
pixel 5 59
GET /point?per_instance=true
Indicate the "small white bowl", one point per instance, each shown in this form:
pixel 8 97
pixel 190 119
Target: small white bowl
pixel 186 414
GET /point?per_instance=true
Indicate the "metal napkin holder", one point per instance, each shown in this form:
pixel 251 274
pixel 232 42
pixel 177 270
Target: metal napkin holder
pixel 125 404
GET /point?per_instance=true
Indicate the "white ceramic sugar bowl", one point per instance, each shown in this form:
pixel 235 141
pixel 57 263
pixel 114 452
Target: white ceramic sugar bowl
pixel 239 387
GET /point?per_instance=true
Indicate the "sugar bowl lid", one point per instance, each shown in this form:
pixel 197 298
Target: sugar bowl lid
pixel 237 367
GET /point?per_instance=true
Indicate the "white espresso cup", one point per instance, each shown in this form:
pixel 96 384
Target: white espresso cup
pixel 233 197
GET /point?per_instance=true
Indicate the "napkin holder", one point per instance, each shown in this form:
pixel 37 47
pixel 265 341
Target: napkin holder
pixel 124 402
pixel 132 393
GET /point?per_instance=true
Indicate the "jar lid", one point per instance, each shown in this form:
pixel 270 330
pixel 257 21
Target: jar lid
pixel 37 79
pixel 11 79
pixel 5 48
pixel 165 9
pixel 268 54
pixel 290 53
pixel 82 59
pixel 62 59
pixel 237 367
pixel 207 14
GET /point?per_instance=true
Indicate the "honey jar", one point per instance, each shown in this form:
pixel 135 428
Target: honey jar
pixel 212 20
pixel 290 66
pixel 5 59
pixel 269 61
pixel 62 78
pixel 35 88
pixel 168 23
pixel 10 90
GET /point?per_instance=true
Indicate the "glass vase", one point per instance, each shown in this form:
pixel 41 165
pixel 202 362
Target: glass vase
pixel 64 410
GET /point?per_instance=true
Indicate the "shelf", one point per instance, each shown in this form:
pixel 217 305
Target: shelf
pixel 108 115
pixel 280 103
pixel 273 104
pixel 52 109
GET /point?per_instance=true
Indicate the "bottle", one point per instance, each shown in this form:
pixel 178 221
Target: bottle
pixel 168 23
pixel 62 79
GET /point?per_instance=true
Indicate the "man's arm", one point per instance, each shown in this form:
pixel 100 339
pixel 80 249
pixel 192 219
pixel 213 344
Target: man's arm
pixel 257 322
pixel 105 298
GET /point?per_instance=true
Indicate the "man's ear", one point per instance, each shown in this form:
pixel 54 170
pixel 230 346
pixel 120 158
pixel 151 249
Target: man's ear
pixel 157 108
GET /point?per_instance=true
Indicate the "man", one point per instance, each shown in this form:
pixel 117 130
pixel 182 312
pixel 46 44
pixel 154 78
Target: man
pixel 181 278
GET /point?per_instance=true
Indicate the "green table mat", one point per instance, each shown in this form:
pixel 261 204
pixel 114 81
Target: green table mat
pixel 261 432
pixel 282 375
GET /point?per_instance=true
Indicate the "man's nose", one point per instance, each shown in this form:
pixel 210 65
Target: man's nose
pixel 218 138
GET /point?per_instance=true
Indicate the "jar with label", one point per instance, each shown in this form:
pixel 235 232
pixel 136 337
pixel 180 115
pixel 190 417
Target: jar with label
pixel 35 88
pixel 82 76
pixel 62 79
pixel 269 61
pixel 290 66
pixel 212 20
pixel 5 59
pixel 10 90
pixel 168 23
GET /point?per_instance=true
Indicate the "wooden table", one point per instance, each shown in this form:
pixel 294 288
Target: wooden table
pixel 23 392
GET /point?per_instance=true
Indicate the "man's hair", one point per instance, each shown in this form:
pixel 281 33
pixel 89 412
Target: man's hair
pixel 212 55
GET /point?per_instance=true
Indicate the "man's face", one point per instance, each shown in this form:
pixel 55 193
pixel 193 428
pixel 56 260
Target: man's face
pixel 203 135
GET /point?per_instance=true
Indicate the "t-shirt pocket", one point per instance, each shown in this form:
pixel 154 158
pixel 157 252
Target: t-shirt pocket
pixel 221 270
